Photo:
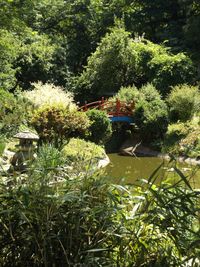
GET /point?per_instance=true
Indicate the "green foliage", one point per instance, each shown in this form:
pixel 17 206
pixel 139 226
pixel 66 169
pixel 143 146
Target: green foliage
pixel 112 65
pixel 190 145
pixel 7 101
pixel 162 213
pixel 15 110
pixel 168 70
pixel 2 144
pixel 121 61
pixel 34 61
pixel 61 223
pixel 49 94
pixel 52 40
pixel 100 129
pixel 129 94
pixel 48 218
pixel 9 50
pixel 184 102
pixel 151 114
pixel 56 124
pixel 82 157
pixel 80 150
pixel 49 159
pixel 183 138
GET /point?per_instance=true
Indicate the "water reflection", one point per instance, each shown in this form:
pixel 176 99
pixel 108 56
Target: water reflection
pixel 128 170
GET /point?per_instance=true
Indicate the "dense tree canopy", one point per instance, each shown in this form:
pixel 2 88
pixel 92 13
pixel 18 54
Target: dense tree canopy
pixel 120 60
pixel 52 40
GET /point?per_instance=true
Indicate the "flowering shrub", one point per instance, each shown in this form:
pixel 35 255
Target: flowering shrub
pixel 49 94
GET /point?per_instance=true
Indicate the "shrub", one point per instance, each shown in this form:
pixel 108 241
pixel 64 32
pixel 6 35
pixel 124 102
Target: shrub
pixel 10 48
pixel 168 70
pixel 80 150
pixel 57 124
pixel 120 61
pixel 14 111
pixel 182 138
pixel 57 220
pixel 7 101
pixel 129 94
pixel 100 129
pixel 51 95
pixel 151 114
pixel 111 66
pixel 184 101
pixel 50 219
pixel 82 156
pixel 174 134
pixel 190 145
pixel 49 159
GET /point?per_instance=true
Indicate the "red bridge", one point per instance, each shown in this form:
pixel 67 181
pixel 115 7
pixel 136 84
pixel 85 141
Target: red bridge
pixel 117 110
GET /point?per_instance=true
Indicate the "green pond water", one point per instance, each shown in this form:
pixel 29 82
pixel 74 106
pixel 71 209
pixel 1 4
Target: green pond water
pixel 128 170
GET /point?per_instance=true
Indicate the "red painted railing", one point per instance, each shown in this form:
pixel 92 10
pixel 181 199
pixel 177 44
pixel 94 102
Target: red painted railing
pixel 113 108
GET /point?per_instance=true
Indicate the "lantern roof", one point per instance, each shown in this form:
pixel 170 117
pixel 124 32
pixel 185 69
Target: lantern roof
pixel 27 135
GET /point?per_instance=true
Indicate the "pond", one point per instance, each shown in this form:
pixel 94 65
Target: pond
pixel 128 170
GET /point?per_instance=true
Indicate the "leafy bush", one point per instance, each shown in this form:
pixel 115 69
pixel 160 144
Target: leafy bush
pixel 50 219
pixel 168 70
pixel 183 138
pixel 174 134
pixel 57 124
pixel 120 61
pixel 7 101
pixel 82 156
pixel 51 95
pixel 63 224
pixel 35 58
pixel 49 159
pixel 80 150
pixel 100 129
pixel 130 94
pixel 190 145
pixel 151 114
pixel 184 101
pixel 111 66
pixel 10 48
pixel 14 111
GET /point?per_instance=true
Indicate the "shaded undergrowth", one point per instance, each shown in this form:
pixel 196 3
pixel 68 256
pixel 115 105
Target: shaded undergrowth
pixel 48 218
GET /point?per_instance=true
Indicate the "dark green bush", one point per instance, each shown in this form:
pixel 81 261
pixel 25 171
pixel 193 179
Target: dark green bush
pixel 130 94
pixel 15 110
pixel 151 114
pixel 7 103
pixel 100 129
pixel 120 61
pixel 57 124
pixel 167 70
pixel 183 101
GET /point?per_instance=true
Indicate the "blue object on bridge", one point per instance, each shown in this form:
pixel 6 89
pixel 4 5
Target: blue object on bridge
pixel 127 119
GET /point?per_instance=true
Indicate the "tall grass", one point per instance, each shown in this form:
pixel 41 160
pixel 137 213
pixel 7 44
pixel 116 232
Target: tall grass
pixel 48 218
pixel 2 144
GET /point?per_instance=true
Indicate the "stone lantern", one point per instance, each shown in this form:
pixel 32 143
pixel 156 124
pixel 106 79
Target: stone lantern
pixel 26 149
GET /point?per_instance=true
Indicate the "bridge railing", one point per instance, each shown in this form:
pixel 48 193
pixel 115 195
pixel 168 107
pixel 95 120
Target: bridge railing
pixel 113 108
